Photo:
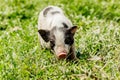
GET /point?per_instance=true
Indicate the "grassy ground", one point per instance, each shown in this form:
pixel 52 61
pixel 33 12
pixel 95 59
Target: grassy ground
pixel 97 41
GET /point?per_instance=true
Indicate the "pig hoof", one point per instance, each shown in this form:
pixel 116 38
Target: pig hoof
pixel 62 56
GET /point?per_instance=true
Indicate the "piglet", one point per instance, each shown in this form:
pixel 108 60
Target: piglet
pixel 56 32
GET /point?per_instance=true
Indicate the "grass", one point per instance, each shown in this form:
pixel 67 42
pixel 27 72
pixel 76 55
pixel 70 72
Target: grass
pixel 97 41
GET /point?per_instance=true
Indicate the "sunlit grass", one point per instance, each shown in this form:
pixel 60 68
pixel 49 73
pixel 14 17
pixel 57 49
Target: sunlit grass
pixel 97 41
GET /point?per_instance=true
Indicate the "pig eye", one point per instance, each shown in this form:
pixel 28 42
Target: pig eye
pixel 52 44
pixel 69 40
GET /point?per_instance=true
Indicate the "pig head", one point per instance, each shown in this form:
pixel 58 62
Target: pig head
pixel 61 41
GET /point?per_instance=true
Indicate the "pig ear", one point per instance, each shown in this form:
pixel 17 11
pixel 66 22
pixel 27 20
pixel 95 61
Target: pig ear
pixel 73 29
pixel 44 34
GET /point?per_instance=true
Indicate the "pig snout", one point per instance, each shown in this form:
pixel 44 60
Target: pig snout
pixel 61 53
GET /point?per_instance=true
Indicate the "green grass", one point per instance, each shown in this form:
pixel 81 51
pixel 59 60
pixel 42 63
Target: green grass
pixel 97 41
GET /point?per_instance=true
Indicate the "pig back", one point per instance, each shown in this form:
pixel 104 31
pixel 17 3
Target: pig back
pixel 52 16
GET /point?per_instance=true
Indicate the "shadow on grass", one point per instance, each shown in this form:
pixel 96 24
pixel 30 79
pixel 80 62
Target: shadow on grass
pixel 3 27
pixel 82 56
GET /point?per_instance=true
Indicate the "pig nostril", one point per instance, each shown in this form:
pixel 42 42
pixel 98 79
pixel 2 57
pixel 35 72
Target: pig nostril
pixel 62 55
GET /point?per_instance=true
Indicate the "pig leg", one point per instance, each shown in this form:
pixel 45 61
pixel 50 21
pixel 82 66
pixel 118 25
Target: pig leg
pixel 72 55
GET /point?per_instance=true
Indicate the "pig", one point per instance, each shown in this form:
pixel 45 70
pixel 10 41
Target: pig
pixel 56 32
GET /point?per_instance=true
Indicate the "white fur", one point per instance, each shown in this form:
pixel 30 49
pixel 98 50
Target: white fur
pixel 48 22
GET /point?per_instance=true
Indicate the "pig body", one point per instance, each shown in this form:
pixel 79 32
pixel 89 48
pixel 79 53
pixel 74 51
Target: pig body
pixel 56 32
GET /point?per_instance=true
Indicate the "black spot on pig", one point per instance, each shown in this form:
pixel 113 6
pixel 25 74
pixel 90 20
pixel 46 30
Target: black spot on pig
pixel 65 25
pixel 69 35
pixel 55 12
pixel 52 41
pixel 52 44
pixel 44 34
pixel 52 38
pixel 46 11
pixel 69 39
pixel 48 36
